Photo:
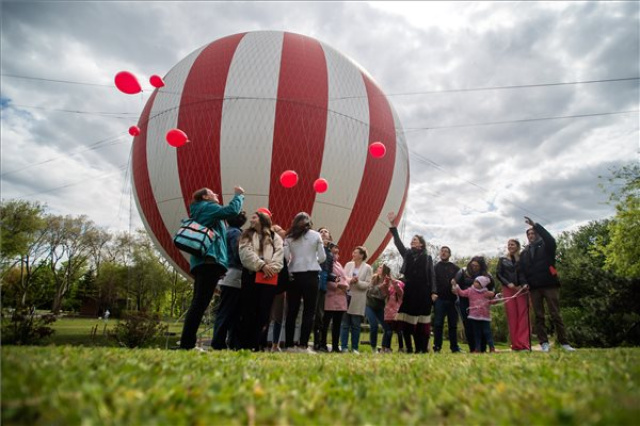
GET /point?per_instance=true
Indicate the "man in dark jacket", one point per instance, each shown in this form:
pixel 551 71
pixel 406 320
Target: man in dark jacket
pixel 445 304
pixel 538 264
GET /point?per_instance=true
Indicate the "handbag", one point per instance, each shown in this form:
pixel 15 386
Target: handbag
pixel 262 279
pixel 194 238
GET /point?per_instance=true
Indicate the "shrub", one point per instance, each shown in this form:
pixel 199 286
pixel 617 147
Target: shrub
pixel 25 327
pixel 139 329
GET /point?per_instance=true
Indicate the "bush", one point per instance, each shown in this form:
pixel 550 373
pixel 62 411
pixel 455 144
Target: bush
pixel 25 327
pixel 139 329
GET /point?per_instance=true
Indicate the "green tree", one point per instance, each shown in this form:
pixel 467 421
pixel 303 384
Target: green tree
pixel 622 251
pixel 24 243
pixel 68 252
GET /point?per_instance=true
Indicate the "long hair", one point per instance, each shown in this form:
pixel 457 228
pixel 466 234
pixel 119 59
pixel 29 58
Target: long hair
pixel 300 225
pixel 386 272
pixel 484 270
pixel 517 243
pixel 422 241
pixel 265 230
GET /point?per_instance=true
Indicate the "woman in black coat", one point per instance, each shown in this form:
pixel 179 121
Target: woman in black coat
pixel 419 289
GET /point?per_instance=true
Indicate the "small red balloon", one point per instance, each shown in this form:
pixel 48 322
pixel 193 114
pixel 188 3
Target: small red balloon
pixel 127 83
pixel 320 185
pixel 156 81
pixel 289 179
pixel 377 149
pixel 176 138
pixel 134 130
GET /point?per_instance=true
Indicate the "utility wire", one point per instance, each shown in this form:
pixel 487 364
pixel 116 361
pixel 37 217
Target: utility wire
pixel 83 181
pixel 112 140
pixel 524 120
pixel 425 92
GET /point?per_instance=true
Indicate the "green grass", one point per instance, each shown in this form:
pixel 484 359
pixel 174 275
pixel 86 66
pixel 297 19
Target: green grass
pixel 73 385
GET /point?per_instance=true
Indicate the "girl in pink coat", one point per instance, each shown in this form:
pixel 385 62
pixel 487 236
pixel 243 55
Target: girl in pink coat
pixel 395 291
pixel 479 311
pixel 335 301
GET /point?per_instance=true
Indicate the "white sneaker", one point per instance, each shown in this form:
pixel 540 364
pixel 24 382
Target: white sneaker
pixel 568 348
pixel 545 347
pixel 309 351
pixel 355 352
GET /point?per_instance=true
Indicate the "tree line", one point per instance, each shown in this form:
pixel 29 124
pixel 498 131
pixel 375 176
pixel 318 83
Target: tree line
pixel 69 263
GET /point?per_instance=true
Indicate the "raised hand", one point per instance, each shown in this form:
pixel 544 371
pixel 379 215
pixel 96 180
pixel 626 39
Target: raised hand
pixel 392 218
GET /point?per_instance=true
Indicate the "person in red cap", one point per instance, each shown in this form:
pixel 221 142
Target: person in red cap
pixel 261 250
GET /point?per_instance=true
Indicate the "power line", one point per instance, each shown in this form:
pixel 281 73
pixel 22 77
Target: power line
pixel 111 140
pixel 519 86
pixel 524 120
pixel 24 77
pixel 122 167
pixel 425 92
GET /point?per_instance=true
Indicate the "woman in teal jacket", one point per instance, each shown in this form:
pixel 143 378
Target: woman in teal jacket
pixel 205 209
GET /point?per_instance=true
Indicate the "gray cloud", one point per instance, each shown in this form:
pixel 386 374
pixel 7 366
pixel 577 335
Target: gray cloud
pixel 470 186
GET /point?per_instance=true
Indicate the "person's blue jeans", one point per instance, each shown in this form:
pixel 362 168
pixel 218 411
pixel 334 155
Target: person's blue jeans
pixel 375 317
pixel 482 329
pixel 445 309
pixel 350 324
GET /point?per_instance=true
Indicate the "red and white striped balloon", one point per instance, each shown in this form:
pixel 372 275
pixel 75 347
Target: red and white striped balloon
pixel 255 105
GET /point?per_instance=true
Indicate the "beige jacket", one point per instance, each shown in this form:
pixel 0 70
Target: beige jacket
pixel 358 290
pixel 254 259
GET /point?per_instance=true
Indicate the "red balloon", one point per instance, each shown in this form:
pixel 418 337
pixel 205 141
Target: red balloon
pixel 289 179
pixel 134 130
pixel 156 81
pixel 127 83
pixel 377 149
pixel 320 185
pixel 176 138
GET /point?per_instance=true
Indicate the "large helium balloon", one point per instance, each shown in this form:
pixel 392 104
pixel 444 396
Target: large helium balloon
pixel 255 105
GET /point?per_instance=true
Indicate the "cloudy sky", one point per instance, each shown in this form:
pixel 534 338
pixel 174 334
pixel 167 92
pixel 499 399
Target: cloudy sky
pixel 481 159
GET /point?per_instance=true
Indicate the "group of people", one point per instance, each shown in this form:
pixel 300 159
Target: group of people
pixel 266 273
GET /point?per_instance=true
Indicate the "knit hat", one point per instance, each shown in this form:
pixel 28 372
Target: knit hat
pixel 484 281
pixel 264 210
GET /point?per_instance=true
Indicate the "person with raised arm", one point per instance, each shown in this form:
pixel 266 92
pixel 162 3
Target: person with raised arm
pixel 420 289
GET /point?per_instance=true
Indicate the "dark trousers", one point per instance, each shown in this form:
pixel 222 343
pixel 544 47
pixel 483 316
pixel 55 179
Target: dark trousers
pixel 482 332
pixel 420 334
pixel 335 318
pixel 206 278
pixel 445 309
pixel 552 296
pixel 256 300
pixel 304 287
pixel 318 322
pixel 227 319
pixel 468 327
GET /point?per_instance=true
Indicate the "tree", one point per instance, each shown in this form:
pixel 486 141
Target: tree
pixel 622 251
pixel 68 239
pixel 24 243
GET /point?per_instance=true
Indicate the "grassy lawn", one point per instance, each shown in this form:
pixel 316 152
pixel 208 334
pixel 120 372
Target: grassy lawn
pixel 72 385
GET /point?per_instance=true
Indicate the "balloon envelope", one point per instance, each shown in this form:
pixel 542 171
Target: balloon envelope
pixel 297 104
pixel 127 83
pixel 320 185
pixel 156 81
pixel 176 138
pixel 134 130
pixel 289 179
pixel 377 149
